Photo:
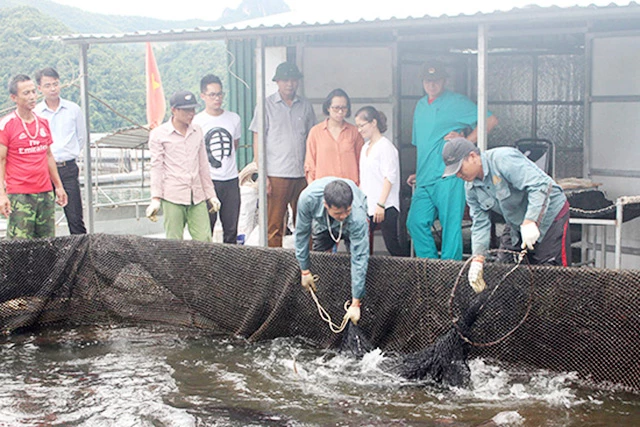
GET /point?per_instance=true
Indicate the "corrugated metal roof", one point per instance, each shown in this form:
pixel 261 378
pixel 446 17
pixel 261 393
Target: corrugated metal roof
pixel 397 13
pixel 133 137
pixel 396 10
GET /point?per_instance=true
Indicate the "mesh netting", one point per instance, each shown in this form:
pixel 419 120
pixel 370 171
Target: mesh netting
pixel 493 315
pixel 583 320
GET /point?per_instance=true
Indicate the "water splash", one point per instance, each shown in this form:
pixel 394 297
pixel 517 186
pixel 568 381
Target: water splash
pixel 149 376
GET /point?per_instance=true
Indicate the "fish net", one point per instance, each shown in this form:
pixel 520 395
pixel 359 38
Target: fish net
pixel 495 314
pixel 480 320
pixel 580 319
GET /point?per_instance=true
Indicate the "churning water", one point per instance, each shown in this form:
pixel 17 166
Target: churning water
pixel 163 376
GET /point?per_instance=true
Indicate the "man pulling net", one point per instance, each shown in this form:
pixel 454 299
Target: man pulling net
pixel 536 213
pixel 334 209
pixel 533 205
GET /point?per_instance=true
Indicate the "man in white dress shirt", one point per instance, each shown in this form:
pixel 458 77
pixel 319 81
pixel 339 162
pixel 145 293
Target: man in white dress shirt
pixel 69 135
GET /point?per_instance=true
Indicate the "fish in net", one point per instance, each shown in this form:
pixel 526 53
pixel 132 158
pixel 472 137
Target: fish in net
pixel 481 320
pixel 355 342
pixel 442 362
pixel 445 360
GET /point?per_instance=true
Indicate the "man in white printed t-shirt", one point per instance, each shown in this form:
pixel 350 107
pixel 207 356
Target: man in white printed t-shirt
pixel 222 131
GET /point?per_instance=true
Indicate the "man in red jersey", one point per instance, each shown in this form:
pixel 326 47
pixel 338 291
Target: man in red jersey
pixel 27 167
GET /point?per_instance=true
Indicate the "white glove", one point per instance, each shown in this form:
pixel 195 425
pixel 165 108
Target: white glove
pixel 152 210
pixel 215 204
pixel 308 281
pixel 530 234
pixel 353 314
pixel 475 275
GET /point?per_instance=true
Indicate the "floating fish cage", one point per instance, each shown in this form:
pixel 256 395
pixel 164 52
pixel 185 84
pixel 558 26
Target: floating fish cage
pixel 582 320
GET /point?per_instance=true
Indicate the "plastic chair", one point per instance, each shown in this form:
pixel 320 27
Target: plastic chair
pixel 540 151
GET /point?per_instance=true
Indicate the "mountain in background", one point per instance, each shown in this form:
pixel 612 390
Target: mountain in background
pixel 116 72
pixel 80 21
pixel 250 9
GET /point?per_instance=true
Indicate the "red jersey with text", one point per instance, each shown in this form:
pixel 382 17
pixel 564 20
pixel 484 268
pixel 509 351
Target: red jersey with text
pixel 27 169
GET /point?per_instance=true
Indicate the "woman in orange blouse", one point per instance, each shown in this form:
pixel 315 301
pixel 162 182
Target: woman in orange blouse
pixel 333 146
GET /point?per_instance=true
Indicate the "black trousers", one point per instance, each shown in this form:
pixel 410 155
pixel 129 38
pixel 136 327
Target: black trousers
pixel 322 242
pixel 68 172
pixel 228 193
pixel 553 249
pixel 389 227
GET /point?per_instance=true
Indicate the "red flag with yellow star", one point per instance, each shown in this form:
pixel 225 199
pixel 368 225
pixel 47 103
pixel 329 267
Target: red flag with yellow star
pixel 156 105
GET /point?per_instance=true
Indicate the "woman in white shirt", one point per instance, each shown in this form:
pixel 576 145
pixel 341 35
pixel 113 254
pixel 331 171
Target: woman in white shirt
pixel 380 177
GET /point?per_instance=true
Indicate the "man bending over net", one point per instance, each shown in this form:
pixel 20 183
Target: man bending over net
pixel 335 209
pixel 532 203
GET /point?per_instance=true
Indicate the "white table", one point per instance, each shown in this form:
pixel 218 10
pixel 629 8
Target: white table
pixel 588 223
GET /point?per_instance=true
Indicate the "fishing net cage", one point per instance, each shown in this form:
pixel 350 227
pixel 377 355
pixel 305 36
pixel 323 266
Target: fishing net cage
pixel 582 320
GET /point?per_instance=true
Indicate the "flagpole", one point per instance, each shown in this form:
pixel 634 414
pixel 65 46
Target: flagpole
pixel 156 104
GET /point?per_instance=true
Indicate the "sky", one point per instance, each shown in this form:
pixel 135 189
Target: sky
pixel 192 9
pixel 169 10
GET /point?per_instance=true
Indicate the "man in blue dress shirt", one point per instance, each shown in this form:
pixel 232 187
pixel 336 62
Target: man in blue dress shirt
pixel 334 209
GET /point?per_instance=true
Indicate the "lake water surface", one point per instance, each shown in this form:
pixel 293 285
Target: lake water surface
pixel 163 376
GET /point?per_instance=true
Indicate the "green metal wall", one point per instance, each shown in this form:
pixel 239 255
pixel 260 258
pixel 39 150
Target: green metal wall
pixel 242 92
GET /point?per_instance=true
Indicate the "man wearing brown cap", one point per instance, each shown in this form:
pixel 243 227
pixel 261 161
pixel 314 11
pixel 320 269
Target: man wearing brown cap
pixel 288 119
pixel 439 116
pixel 533 205
pixel 180 182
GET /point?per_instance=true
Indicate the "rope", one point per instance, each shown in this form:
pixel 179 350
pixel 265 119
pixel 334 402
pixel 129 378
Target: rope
pixel 91 95
pixel 592 211
pixel 230 66
pixel 324 315
pixel 625 200
pixel 94 97
pixel 520 257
